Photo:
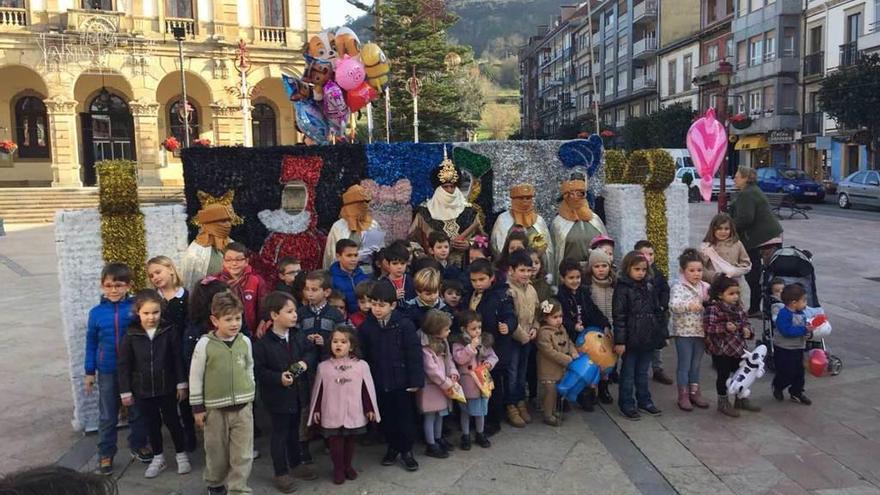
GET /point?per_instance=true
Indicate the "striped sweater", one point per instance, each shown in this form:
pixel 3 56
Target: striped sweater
pixel 221 374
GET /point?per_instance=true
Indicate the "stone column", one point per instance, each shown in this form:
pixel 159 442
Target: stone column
pixel 146 136
pixel 64 142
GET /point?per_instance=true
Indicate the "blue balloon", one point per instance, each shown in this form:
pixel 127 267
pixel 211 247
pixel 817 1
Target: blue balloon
pixel 582 372
pixel 311 121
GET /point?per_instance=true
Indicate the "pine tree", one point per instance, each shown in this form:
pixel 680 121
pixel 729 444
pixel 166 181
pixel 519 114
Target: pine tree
pixel 413 34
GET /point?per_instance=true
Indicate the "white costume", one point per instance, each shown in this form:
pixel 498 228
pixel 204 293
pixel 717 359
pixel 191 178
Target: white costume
pixel 340 230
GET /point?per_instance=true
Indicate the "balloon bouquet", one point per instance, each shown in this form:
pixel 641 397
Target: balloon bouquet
pixel 341 77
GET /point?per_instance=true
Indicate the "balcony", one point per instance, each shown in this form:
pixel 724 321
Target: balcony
pixel 267 35
pixel 102 21
pixel 814 122
pixel 707 73
pixel 849 54
pixel 645 47
pixel 870 41
pixel 643 83
pixel 10 16
pixel 814 64
pixel 645 12
pixel 188 25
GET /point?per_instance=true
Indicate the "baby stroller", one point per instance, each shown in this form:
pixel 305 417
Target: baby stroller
pixel 792 265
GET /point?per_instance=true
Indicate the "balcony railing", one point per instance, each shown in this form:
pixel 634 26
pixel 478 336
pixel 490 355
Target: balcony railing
pixel 646 10
pixel 10 16
pixel 814 64
pixel 272 35
pixel 644 82
pixel 644 46
pixel 188 25
pixel 849 54
pixel 813 122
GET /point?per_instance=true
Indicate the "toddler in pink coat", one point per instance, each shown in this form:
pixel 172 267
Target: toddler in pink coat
pixel 343 401
pixel 440 375
pixel 471 349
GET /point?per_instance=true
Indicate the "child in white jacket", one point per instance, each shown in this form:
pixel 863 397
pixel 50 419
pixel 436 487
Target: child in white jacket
pixel 686 305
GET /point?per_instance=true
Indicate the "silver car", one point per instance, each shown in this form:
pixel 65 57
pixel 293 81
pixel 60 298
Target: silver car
pixel 860 188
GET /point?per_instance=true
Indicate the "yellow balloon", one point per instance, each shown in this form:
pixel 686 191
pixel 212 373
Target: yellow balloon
pixel 375 65
pixel 600 348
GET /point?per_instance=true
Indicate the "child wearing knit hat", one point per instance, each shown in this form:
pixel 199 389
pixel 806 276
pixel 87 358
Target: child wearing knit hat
pixel 600 278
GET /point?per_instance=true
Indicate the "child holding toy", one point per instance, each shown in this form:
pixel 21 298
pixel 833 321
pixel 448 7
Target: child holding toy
pixel 789 344
pixel 471 350
pixel 727 328
pixel 440 376
pixel 686 305
pixel 555 352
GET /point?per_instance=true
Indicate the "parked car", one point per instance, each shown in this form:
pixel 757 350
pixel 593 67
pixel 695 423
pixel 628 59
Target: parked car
pixel 860 188
pixel 716 181
pixel 681 156
pixel 790 181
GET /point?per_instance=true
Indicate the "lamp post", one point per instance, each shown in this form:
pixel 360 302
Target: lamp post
pixel 725 70
pixel 180 34
pixel 243 64
pixel 413 86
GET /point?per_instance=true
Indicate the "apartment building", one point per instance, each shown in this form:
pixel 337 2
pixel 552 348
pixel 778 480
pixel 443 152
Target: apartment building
pixel 679 53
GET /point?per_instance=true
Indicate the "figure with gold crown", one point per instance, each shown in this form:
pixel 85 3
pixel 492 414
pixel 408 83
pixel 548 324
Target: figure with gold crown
pixel 522 214
pixel 576 225
pixel 355 223
pixel 204 256
pixel 446 210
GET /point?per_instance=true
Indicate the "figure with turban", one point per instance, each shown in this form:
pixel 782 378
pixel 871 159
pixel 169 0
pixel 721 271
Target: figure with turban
pixel 522 214
pixel 204 255
pixel 355 220
pixel 447 211
pixel 576 225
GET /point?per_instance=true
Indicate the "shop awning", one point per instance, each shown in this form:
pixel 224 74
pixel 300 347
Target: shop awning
pixel 753 142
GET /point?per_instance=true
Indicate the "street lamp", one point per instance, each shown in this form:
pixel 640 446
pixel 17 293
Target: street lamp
pixel 725 70
pixel 179 33
pixel 413 86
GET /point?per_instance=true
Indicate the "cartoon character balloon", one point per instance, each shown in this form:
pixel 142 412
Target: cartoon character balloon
pixel 311 121
pixel 349 72
pixel 322 47
pixel 297 89
pixel 707 144
pixel 375 65
pixel 817 362
pixel 318 72
pixel 335 108
pixel 359 97
pixel 346 42
pixel 587 369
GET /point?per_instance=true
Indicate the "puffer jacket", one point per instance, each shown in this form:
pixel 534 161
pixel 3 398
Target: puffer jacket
pixel 639 323
pixel 393 352
pixel 108 322
pixel 496 307
pixel 150 367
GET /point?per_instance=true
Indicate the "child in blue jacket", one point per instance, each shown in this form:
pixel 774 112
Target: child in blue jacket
pixel 108 322
pixel 789 343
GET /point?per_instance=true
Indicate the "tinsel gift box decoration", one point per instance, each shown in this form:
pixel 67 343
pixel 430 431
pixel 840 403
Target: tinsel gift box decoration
pixel 78 246
pixel 122 224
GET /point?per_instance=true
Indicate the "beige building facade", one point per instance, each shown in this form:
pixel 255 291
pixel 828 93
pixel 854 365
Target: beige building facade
pixel 86 80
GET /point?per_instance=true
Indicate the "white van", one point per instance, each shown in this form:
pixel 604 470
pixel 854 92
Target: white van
pixel 681 156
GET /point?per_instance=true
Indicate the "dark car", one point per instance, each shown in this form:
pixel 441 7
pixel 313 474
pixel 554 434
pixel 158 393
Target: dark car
pixel 790 181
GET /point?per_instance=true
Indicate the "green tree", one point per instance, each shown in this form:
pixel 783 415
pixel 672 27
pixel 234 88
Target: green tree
pixel 414 38
pixel 665 128
pixel 851 96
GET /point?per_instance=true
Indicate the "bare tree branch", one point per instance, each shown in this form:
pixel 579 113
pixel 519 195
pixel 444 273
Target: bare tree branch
pixel 368 9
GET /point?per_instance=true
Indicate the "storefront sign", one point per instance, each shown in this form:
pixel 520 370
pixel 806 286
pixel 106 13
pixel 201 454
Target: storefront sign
pixel 784 136
pixel 823 143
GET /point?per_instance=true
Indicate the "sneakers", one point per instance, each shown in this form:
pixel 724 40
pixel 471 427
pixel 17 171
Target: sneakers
pixel 651 409
pixel 552 421
pixel 660 376
pixel 216 490
pixel 746 405
pixel 183 465
pixel 304 472
pixel 143 454
pixel 801 398
pixel 436 451
pixel 409 462
pixel 482 441
pixel 777 394
pixel 523 409
pixel 514 418
pixel 390 457
pixel 284 483
pixel 448 447
pixel 105 466
pixel 465 443
pixel 632 414
pixel 157 465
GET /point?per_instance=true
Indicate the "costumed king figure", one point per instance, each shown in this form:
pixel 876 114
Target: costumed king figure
pixel 522 213
pixel 575 226
pixel 355 223
pixel 447 211
pixel 204 256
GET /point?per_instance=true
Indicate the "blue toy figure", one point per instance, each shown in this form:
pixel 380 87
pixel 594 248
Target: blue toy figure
pixel 596 357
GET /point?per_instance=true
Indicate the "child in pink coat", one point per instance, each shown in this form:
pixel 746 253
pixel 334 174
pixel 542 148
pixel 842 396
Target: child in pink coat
pixel 440 375
pixel 471 349
pixel 343 401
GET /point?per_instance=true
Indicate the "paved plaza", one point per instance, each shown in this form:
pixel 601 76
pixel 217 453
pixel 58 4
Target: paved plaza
pixel 832 447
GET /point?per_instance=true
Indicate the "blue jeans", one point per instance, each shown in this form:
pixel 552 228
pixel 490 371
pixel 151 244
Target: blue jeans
pixel 634 375
pixel 516 373
pixel 108 416
pixel 689 351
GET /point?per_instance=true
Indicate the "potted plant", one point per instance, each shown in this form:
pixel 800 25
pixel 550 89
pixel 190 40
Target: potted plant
pixel 8 147
pixel 171 144
pixel 202 143
pixel 740 121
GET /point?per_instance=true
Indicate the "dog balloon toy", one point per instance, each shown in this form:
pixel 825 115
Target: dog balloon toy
pixel 750 369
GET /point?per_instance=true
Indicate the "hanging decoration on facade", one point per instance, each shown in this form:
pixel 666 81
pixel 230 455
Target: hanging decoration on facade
pixel 90 48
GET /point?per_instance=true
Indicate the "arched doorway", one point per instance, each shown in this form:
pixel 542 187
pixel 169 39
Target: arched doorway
pixel 263 125
pixel 108 133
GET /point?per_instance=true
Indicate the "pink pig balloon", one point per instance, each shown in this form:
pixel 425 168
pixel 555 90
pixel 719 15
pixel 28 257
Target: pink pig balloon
pixel 707 144
pixel 350 73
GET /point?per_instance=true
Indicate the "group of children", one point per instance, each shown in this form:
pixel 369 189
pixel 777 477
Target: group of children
pixel 422 339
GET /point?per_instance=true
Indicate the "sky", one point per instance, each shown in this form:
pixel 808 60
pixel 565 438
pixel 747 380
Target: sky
pixel 333 12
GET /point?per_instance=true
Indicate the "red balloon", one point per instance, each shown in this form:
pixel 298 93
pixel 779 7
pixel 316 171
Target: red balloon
pixel 818 362
pixel 358 97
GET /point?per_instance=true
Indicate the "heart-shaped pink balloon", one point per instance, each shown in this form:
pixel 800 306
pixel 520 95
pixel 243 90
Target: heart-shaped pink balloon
pixel 707 144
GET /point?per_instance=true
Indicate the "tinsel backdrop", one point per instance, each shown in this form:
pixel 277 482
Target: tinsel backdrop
pixel 79 247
